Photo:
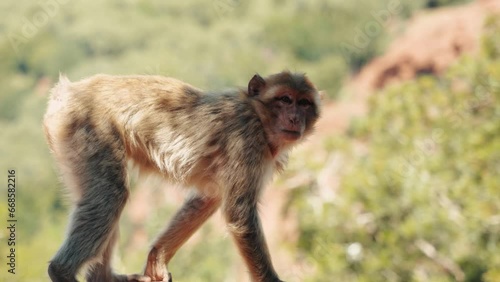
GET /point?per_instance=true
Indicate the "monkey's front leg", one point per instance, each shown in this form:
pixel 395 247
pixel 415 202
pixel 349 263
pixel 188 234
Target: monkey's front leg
pixel 187 220
pixel 240 210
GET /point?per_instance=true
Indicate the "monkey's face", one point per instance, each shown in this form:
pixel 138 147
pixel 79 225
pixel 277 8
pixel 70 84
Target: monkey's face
pixel 291 106
pixel 292 111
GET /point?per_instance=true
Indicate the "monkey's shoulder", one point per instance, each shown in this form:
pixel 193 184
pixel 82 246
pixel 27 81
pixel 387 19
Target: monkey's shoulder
pixel 229 94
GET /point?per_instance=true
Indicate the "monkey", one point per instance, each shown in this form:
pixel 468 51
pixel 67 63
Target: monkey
pixel 226 144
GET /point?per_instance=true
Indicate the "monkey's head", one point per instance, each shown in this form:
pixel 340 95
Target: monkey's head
pixel 289 106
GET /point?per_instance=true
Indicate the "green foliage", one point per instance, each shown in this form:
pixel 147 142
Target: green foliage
pixel 420 201
pixel 491 40
pixel 37 194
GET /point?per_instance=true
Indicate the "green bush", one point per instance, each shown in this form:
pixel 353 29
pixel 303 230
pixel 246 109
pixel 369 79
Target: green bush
pixel 419 196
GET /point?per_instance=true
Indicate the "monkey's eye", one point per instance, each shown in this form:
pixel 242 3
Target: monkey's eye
pixel 285 99
pixel 304 102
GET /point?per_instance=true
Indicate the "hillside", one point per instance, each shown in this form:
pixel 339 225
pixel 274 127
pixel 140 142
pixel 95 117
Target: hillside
pixel 407 186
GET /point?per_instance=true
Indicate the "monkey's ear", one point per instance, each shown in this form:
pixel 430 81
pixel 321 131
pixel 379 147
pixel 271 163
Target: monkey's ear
pixel 255 85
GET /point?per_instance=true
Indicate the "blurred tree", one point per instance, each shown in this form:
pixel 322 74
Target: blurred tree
pixel 420 201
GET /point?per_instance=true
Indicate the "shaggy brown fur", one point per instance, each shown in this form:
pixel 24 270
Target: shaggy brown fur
pixel 227 144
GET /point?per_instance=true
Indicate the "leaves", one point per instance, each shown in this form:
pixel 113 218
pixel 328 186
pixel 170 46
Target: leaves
pixel 423 200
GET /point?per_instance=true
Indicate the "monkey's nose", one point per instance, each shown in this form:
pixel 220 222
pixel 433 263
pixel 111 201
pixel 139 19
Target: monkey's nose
pixel 294 120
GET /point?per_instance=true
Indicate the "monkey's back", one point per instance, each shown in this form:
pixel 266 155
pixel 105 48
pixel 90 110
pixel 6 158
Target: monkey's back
pixel 161 123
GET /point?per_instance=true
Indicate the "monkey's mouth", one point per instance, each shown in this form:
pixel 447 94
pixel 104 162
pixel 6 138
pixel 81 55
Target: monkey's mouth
pixel 291 134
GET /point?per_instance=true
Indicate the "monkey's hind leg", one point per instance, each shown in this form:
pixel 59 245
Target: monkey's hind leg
pixel 93 166
pixel 102 271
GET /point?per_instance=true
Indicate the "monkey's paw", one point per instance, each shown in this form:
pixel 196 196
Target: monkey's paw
pixel 166 279
pixel 133 278
pixel 156 268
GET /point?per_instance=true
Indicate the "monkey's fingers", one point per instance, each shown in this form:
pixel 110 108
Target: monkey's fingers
pixel 166 279
pixel 169 279
pixel 138 278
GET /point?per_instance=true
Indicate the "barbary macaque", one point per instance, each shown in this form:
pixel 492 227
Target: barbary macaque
pixel 227 144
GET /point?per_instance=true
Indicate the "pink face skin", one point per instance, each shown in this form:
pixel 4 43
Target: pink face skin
pixel 292 109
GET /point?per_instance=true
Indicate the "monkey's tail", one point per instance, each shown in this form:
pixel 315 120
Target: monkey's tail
pixel 60 88
pixel 63 78
pixel 57 102
pixel 58 95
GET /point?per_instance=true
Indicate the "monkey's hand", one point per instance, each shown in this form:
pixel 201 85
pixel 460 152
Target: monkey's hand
pixel 157 273
pixel 169 278
pixel 131 278
pixel 160 278
pixel 156 268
